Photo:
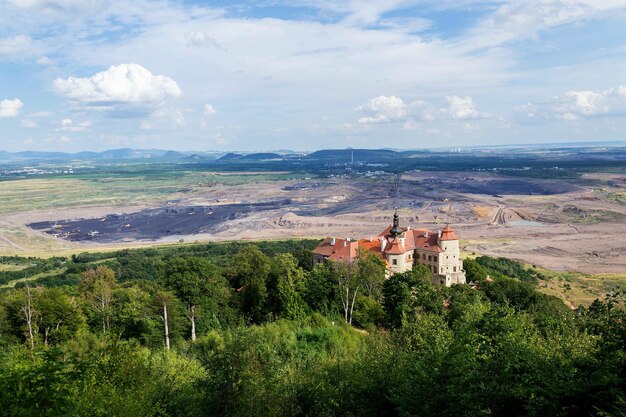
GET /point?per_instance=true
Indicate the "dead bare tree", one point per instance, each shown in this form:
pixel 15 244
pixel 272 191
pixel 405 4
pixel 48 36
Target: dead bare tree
pixel 164 298
pixel 347 279
pixel 97 288
pixel 27 309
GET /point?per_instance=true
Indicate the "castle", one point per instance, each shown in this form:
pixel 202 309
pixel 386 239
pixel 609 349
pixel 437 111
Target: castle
pixel 401 248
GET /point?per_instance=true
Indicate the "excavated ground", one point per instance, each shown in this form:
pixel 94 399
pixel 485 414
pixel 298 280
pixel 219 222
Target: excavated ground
pixel 557 224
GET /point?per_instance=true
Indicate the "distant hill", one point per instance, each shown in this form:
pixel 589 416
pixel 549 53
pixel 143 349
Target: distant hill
pixel 195 157
pixel 173 155
pixel 124 153
pixel 260 156
pixel 346 155
pixel 230 156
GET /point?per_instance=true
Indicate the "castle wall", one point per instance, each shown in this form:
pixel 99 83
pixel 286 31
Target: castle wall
pixel 401 262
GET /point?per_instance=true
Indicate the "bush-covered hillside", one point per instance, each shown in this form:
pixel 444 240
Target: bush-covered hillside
pixel 256 330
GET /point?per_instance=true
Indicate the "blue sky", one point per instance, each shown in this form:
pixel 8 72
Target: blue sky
pixel 305 74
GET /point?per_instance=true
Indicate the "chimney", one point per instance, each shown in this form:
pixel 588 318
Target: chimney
pixel 383 245
pixel 425 234
pixel 332 241
pixel 439 234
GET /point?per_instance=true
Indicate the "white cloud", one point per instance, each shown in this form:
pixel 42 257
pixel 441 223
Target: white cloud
pixel 516 20
pixel 383 109
pixel 460 108
pixel 386 109
pixel 68 125
pixel 38 114
pixel 17 45
pixel 201 38
pixel 28 124
pixel 407 25
pixel 44 60
pixel 578 105
pixel 336 56
pixel 10 108
pixel 119 87
pixel 209 109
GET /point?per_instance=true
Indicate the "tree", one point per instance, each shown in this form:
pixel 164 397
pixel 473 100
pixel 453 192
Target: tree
pixel 196 281
pixel 29 314
pixel 96 287
pixel 251 271
pixel 289 279
pixel 60 316
pixel 348 281
pixel 164 299
pixel 410 292
pixel 371 270
pixel 321 290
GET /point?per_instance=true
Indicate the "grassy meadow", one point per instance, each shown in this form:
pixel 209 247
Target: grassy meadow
pixel 91 190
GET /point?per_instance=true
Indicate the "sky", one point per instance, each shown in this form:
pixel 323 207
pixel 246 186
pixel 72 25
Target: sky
pixel 309 74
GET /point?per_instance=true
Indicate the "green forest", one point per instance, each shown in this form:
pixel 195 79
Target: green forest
pixel 257 330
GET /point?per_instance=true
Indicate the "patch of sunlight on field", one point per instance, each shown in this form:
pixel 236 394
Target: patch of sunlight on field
pixel 577 288
pixel 619 197
pixel 37 194
pixel 17 241
pixel 483 212
pixel 50 273
pixel 97 190
pixel 11 267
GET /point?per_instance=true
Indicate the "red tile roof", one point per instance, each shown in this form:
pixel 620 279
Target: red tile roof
pixel 448 233
pixel 410 239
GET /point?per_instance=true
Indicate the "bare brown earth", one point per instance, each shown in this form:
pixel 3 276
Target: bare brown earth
pixel 559 225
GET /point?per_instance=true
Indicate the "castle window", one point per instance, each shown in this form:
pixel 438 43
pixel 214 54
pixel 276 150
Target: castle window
pixel 454 269
pixel 429 258
pixel 394 261
pixel 446 256
pixel 423 256
pixel 435 258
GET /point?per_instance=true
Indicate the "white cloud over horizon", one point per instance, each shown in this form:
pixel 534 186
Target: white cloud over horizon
pixel 388 109
pixel 578 105
pixel 124 84
pixel 326 72
pixel 10 107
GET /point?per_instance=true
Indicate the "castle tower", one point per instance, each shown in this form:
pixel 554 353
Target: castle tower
pixel 395 230
pixel 450 263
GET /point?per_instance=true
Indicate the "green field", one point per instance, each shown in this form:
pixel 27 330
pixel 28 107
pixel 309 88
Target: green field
pixel 577 288
pixel 116 189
